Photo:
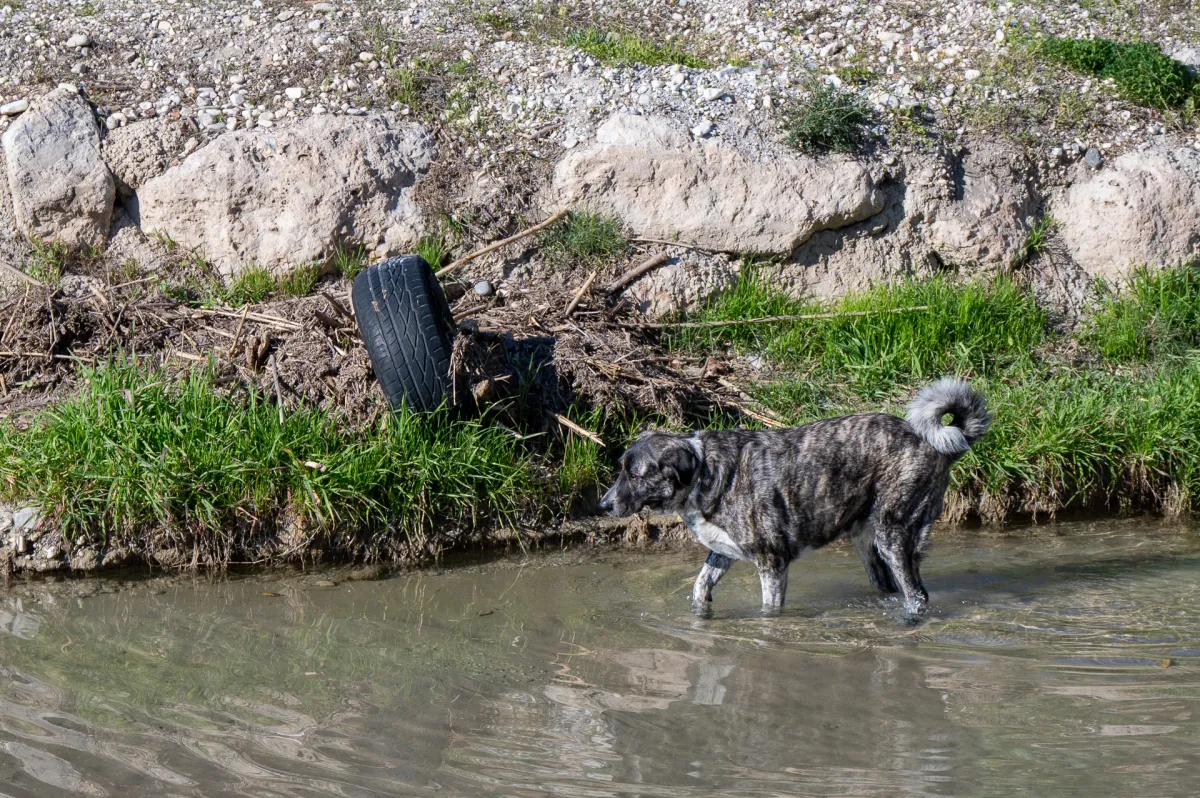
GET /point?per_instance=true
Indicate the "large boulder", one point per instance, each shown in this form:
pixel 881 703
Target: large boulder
pixel 285 197
pixel 967 210
pixel 144 150
pixel 662 184
pixel 1142 211
pixel 61 189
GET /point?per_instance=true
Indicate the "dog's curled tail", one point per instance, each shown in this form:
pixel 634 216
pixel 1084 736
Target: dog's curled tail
pixel 969 420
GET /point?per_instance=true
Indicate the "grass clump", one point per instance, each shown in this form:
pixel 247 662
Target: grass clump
pixel 612 47
pixel 435 249
pixel 299 281
pixel 1037 241
pixel 1143 74
pixel 1159 315
pixel 251 287
pixel 48 260
pixel 976 326
pixel 133 452
pixel 830 120
pixel 584 236
pixel 349 261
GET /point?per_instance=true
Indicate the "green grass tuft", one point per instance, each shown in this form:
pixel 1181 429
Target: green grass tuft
pixel 349 261
pixel 626 48
pixel 830 120
pixel 48 261
pixel 973 326
pixel 1159 315
pixel 299 281
pixel 1037 242
pixel 134 452
pixel 251 287
pixel 435 249
pixel 1141 71
pixel 584 236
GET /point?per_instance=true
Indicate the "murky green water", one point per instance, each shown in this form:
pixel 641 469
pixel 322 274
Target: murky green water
pixel 1061 661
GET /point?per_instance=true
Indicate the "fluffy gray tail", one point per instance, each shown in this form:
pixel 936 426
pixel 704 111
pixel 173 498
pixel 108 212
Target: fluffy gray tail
pixel 969 421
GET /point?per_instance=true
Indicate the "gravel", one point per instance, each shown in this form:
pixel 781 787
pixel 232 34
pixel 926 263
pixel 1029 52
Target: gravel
pixel 506 74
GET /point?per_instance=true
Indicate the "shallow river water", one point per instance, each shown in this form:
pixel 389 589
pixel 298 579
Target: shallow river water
pixel 1062 660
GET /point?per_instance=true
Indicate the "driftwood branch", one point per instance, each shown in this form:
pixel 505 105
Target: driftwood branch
pixel 583 289
pixel 663 325
pixel 670 244
pixel 636 272
pixel 502 243
pixel 571 425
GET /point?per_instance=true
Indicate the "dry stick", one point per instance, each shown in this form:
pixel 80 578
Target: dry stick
pixel 338 308
pixel 44 356
pixel 15 272
pixel 571 425
pixel 237 336
pixel 278 393
pixel 769 319
pixel 636 272
pixel 503 242
pixel 575 300
pixel 260 317
pixel 132 282
pixel 466 314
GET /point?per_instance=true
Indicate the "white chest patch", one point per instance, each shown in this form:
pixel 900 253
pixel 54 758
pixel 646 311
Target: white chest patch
pixel 712 536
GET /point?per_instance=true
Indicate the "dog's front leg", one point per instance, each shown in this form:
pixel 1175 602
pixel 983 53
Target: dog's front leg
pixel 714 568
pixel 773 576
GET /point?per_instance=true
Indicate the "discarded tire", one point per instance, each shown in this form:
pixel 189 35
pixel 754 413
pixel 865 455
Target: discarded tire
pixel 406 323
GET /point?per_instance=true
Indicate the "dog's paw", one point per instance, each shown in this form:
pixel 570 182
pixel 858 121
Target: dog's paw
pixel 702 609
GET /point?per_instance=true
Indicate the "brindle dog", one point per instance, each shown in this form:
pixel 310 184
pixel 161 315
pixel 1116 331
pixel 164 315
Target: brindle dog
pixel 768 497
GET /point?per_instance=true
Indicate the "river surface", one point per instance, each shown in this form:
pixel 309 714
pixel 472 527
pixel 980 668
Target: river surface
pixel 1060 660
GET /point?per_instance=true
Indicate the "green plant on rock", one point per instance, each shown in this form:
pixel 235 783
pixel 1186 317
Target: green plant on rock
pixel 829 120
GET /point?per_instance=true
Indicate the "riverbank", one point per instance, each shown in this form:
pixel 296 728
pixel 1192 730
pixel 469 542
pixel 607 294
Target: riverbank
pixel 191 462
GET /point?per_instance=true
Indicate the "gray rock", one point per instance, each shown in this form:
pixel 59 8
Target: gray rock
pixel 25 519
pixel 484 288
pixel 15 107
pixel 140 151
pixel 703 129
pixel 662 184
pixel 287 197
pixel 79 40
pixel 60 187
pixel 1093 158
pixel 1142 210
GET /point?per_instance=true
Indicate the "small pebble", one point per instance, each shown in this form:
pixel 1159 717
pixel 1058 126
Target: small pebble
pixel 484 288
pixel 79 40
pixel 1093 158
pixel 15 107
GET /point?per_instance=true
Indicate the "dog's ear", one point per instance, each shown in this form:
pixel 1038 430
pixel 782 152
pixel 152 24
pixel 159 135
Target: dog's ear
pixel 679 464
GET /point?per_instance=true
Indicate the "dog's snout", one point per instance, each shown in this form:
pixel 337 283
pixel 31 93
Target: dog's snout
pixel 606 501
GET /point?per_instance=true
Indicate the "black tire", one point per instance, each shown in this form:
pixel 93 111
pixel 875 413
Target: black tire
pixel 409 330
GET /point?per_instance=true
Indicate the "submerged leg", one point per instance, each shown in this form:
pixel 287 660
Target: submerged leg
pixel 895 546
pixel 877 570
pixel 714 568
pixel 773 576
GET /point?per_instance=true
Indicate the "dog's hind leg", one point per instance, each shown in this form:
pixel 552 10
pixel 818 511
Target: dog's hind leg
pixel 773 575
pixel 877 570
pixel 895 546
pixel 714 568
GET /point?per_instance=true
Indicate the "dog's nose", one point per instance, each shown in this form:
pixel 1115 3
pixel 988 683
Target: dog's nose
pixel 606 501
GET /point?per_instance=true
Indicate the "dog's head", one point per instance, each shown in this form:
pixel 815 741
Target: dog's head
pixel 656 474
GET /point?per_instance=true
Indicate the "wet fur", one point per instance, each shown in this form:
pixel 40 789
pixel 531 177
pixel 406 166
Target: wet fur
pixel 768 497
